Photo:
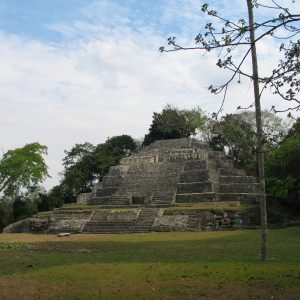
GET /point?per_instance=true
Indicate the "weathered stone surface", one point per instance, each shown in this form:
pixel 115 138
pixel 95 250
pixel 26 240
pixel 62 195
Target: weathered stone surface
pixel 20 226
pixel 85 197
pixel 170 223
pixel 69 225
pixel 39 224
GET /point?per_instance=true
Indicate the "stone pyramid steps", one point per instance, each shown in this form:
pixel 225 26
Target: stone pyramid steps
pixel 195 184
pixel 143 223
pixel 240 188
pixel 98 200
pixel 195 176
pixel 119 199
pixel 106 227
pixel 106 191
pixel 67 214
pixel 195 187
pixel 215 179
pixel 161 199
pixel 242 197
pixel 195 165
pixel 112 181
pixel 231 172
pixel 196 197
pixel 237 179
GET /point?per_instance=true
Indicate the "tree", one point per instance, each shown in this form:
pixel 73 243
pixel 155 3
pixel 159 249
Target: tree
pixel 56 197
pixel 121 145
pixel 22 169
pixel 235 133
pixel 20 209
pixel 173 123
pixel 77 153
pixel 294 131
pixel 79 169
pixel 274 128
pixel 110 153
pixel 86 163
pixel 284 79
pixel 283 173
pixel 6 212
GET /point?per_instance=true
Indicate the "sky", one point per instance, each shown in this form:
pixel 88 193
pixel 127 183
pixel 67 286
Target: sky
pixel 75 71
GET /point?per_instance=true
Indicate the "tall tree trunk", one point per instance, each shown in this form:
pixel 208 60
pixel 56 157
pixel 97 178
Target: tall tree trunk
pixel 259 148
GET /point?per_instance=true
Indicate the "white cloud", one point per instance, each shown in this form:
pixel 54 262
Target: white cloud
pixel 86 92
pixel 102 82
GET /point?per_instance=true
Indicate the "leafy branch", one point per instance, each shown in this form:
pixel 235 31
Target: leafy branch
pixel 283 81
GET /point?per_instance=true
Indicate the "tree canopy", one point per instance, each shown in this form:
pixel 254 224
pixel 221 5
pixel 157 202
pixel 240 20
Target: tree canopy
pixel 282 167
pixel 22 169
pixel 173 123
pixel 236 134
pixel 86 163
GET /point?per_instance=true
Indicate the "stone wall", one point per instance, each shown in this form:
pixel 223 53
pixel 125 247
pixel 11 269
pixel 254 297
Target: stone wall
pixel 197 220
pixel 138 220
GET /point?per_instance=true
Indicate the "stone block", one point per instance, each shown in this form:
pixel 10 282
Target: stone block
pixel 237 179
pixel 241 188
pixel 194 176
pixel 85 197
pixel 195 197
pixel 195 165
pixel 105 192
pixel 195 187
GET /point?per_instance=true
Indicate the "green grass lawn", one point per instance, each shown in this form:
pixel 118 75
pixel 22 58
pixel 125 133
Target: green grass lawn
pixel 190 265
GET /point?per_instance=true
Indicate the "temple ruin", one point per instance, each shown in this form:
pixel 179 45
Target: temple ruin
pixel 178 185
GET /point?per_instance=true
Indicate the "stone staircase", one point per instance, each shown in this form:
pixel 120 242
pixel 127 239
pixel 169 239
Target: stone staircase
pixel 145 220
pixel 125 224
pixel 216 179
pixel 162 199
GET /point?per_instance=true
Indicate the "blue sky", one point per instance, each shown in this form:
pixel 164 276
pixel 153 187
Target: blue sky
pixel 83 70
pixel 30 18
pixel 35 18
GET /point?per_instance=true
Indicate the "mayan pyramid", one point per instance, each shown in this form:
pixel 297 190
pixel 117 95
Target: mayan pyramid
pixel 169 185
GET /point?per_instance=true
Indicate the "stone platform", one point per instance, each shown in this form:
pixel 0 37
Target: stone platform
pixel 169 185
pixel 94 219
